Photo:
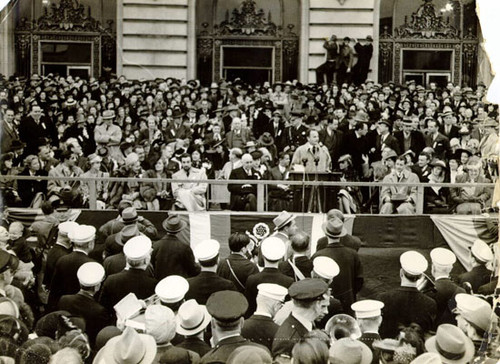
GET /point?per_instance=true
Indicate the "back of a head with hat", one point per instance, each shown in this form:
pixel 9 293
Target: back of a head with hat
pixel 442 262
pixel 160 323
pixel 413 265
pixel 475 311
pixel 273 249
pixel 82 236
pixel 171 290
pixel 481 252
pixel 325 268
pixel 138 252
pixel 90 275
pixel 207 252
pixel 227 308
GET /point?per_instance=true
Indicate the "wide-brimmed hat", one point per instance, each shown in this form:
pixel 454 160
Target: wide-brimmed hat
pixel 451 344
pixel 438 163
pixel 17 144
pixel 282 219
pixel 130 347
pixel 192 318
pixel 334 228
pixel 361 116
pixel 173 224
pixel 347 350
pixel 266 139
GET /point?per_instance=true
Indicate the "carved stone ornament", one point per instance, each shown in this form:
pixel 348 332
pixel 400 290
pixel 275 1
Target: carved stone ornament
pixel 247 20
pixel 426 24
pixel 68 15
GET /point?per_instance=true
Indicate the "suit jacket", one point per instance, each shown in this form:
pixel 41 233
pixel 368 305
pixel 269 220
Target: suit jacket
pixel 477 277
pixel 64 280
pixel 260 329
pixel 84 305
pixel 224 348
pixel 404 306
pixel 348 283
pixel 304 264
pixel 417 142
pixel 349 241
pixel 356 147
pixel 279 134
pixel 8 134
pixel 114 263
pixel 454 131
pixel 55 185
pixel 56 252
pixel 288 334
pixel 235 141
pixel 237 190
pixel 333 142
pixel 172 132
pixel 204 284
pixel 276 175
pixel 242 268
pixel 194 344
pixel 440 144
pixel 31 133
pixel 104 135
pixel 368 338
pixel 389 142
pixel 118 285
pixel 171 256
pixel 444 290
pixel 268 275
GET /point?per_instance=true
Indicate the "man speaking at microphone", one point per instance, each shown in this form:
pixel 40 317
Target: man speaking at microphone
pixel 313 156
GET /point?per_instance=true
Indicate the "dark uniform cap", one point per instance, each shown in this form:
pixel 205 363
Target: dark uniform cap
pixel 6 261
pixel 227 305
pixel 308 289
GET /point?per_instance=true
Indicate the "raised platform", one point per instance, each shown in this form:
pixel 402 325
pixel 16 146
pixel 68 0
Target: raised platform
pixel 384 237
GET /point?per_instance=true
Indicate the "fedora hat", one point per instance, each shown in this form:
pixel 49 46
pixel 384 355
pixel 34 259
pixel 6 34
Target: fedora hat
pixel 173 224
pixel 451 344
pixel 438 163
pixel 177 113
pixel 349 351
pixel 130 347
pixel 127 233
pixel 108 114
pixel 361 116
pixel 192 318
pixel 266 139
pixel 334 228
pixel 129 215
pixel 282 219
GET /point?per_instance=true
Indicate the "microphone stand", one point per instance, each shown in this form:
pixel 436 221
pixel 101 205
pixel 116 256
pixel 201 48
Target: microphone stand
pixel 304 163
pixel 314 198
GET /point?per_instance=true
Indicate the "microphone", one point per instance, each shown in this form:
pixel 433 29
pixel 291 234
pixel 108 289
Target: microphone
pixel 304 161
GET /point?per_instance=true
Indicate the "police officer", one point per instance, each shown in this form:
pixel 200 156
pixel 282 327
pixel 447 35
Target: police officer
pixel 480 255
pixel 227 309
pixel 369 316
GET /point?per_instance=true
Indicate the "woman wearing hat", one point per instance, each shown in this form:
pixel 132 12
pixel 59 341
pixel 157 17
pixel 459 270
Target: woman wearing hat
pixel 32 192
pixel 436 198
pixel 349 197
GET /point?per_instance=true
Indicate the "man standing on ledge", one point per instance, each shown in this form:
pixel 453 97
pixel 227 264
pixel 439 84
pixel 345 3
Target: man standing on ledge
pixel 326 72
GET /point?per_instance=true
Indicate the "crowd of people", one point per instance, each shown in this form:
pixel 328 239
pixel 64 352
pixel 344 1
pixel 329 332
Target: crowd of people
pixel 126 293
pixel 168 129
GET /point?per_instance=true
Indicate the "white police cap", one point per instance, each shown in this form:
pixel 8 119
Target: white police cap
pixel 273 248
pixel 444 257
pixel 172 289
pixel 90 274
pixel 137 248
pixel 367 308
pixel 66 226
pixel 206 249
pixel 272 290
pixel 413 263
pixel 82 234
pixel 326 267
pixel 481 251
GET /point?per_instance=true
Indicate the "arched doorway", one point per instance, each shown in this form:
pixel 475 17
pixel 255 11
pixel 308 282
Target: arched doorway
pixel 253 40
pixel 429 41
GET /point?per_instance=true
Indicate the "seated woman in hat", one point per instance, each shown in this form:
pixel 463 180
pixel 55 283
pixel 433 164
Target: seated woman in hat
pixel 436 198
pixel 128 190
pixel 32 192
pixel 470 200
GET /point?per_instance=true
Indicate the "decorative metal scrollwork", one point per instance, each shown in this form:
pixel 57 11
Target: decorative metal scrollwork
pixel 425 24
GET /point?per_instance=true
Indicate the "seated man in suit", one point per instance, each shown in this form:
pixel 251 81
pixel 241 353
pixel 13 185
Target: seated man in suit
pixel 400 198
pixel 189 196
pixel 244 196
